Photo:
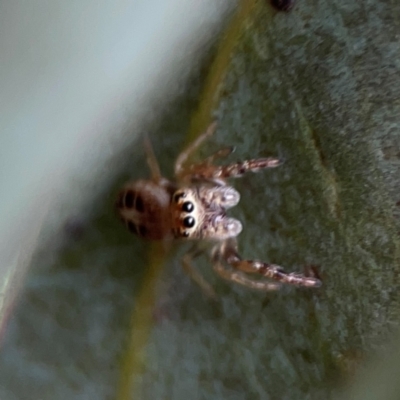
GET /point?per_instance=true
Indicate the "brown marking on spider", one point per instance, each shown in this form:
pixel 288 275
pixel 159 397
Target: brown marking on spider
pixel 193 208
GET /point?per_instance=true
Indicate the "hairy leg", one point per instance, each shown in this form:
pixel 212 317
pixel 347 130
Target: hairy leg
pixel 242 279
pixel 227 251
pixel 152 161
pixel 185 154
pixel 189 174
pixel 274 272
pixel 206 172
pixel 221 153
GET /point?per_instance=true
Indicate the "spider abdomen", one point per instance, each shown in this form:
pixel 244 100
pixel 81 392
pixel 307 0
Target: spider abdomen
pixel 144 208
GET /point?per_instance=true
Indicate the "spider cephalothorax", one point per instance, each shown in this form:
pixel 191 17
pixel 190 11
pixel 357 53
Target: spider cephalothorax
pixel 198 212
pixel 194 208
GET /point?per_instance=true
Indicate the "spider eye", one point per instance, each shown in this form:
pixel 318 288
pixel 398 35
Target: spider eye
pixel 189 222
pixel 187 206
pixel 179 195
pixel 185 234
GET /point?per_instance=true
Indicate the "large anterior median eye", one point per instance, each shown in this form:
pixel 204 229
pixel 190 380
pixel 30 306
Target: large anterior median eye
pixel 187 206
pixel 189 222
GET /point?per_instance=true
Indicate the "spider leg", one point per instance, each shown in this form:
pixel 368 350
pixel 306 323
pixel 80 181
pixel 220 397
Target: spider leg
pixel 191 176
pixel 242 279
pixel 152 160
pixel 185 154
pixel 206 172
pixel 228 252
pixel 194 274
pixel 221 153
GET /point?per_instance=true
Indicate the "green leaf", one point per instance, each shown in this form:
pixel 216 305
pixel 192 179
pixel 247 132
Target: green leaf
pixel 114 317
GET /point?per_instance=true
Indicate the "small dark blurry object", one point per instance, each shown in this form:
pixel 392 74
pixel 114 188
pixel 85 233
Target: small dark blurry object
pixel 283 5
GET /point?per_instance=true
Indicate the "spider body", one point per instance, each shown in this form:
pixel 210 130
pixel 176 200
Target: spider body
pixel 157 212
pixel 194 208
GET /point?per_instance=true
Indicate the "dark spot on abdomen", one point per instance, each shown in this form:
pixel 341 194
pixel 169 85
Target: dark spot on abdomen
pixel 132 227
pixel 142 230
pixel 129 198
pixel 139 230
pixel 139 204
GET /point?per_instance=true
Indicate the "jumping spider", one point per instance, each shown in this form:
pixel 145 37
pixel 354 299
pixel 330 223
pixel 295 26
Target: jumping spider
pixel 194 208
